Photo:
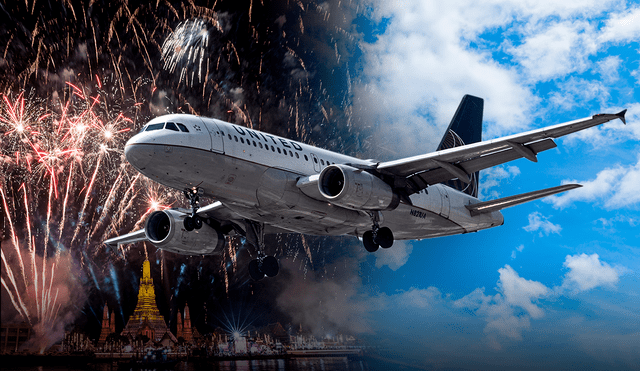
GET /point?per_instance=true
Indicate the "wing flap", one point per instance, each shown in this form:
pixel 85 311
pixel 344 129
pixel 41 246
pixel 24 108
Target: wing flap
pixel 503 203
pixel 437 175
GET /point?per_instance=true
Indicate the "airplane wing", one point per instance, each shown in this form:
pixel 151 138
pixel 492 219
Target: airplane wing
pixel 132 237
pixel 416 173
pixel 216 211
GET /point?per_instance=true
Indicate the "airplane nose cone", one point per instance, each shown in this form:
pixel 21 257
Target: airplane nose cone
pixel 137 154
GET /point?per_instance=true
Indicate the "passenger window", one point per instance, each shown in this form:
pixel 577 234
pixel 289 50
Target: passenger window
pixel 184 128
pixel 171 126
pixel 306 158
pixel 229 136
pixel 297 156
pixel 254 143
pixel 242 140
pixel 279 150
pixel 315 160
pixel 222 132
pixel 273 149
pixel 153 127
pixel 235 137
pixel 322 162
pixel 260 145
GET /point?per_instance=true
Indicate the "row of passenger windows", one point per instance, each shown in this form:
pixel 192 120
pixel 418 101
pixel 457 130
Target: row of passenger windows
pixel 167 126
pixel 274 149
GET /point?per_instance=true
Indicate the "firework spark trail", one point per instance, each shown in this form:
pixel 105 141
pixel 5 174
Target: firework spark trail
pixel 64 203
pixel 129 203
pixel 107 204
pixel 21 307
pixel 14 238
pixel 307 249
pixel 32 248
pixel 87 198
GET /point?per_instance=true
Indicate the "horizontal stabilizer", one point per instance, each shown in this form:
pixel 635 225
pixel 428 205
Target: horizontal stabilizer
pixel 503 203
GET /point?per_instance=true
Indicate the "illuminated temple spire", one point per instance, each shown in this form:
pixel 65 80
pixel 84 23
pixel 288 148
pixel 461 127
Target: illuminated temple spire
pixel 146 318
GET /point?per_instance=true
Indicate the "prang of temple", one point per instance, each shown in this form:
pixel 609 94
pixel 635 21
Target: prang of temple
pixel 146 318
pixel 108 326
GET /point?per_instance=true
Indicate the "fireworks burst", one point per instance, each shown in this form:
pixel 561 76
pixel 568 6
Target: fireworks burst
pixel 66 188
pixel 98 71
pixel 187 49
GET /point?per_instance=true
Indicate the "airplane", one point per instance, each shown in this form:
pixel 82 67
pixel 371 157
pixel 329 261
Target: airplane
pixel 264 184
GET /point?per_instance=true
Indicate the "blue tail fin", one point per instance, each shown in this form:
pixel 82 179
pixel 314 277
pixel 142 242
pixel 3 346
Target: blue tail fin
pixel 465 128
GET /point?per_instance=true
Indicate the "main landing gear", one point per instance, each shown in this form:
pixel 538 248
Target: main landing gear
pixel 193 221
pixel 377 237
pixel 264 265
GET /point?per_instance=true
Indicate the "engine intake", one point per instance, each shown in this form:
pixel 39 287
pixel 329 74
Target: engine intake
pixel 165 230
pixel 349 187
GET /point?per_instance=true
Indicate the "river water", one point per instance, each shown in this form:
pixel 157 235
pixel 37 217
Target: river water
pixel 293 364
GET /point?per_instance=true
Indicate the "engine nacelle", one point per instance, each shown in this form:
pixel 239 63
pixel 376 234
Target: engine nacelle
pixel 349 187
pixel 165 230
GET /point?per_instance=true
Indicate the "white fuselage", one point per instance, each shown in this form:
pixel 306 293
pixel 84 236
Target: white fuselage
pixel 254 174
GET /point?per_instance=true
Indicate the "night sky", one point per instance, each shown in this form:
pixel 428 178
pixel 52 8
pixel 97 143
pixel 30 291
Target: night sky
pixel 371 79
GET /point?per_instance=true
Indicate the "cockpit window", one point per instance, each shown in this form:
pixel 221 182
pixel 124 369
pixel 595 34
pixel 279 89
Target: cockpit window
pixel 183 128
pixel 171 126
pixel 155 127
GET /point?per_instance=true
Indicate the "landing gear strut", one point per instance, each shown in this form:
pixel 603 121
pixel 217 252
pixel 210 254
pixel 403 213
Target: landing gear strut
pixel 193 221
pixel 377 237
pixel 264 265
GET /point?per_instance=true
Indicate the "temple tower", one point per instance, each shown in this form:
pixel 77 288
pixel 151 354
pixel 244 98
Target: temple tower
pixel 146 318
pixel 106 326
pixel 179 332
pixel 188 333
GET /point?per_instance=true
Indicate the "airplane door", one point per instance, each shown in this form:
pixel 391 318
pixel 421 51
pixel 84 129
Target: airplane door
pixel 216 135
pixel 316 163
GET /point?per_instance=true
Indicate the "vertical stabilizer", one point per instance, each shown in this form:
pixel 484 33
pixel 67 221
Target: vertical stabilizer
pixel 465 128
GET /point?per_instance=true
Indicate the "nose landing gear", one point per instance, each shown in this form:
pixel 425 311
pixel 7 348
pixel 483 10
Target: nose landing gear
pixel 193 221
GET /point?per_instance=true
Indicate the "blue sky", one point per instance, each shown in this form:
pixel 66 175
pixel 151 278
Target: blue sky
pixel 559 281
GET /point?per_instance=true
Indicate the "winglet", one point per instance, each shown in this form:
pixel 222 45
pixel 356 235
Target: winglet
pixel 621 116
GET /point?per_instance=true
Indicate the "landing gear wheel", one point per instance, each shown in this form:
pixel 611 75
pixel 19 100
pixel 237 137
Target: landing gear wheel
pixel 189 225
pixel 254 270
pixel 367 241
pixel 197 222
pixel 270 266
pixel 384 238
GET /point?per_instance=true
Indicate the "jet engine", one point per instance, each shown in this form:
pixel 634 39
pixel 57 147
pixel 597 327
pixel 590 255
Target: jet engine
pixel 165 230
pixel 349 187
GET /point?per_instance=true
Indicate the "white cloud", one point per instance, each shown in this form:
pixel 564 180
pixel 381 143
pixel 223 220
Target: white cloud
pixel 575 90
pixel 609 68
pixel 519 249
pixel 560 49
pixel 623 26
pixel 418 298
pixel 616 187
pixel 394 257
pixel 521 292
pixel 416 72
pixel 538 222
pixel 587 272
pixel 500 310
